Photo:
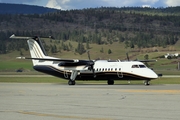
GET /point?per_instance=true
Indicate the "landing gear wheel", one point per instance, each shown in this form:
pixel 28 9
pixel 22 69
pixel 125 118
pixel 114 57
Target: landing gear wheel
pixel 146 82
pixel 110 82
pixel 70 82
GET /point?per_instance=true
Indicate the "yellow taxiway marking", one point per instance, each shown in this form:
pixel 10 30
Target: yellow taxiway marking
pixel 60 116
pixel 152 91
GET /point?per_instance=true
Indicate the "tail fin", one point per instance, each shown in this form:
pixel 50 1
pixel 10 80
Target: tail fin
pixel 35 46
pixel 35 50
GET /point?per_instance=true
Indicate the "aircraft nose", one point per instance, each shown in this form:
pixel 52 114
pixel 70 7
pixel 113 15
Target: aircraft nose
pixel 151 74
pixel 154 75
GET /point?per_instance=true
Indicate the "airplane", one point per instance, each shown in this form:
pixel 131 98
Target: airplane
pixel 75 69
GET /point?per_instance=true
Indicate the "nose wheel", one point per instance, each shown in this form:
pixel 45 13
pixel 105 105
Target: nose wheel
pixel 147 82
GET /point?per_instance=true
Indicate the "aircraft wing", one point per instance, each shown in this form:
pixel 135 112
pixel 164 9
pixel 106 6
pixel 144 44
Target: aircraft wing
pixel 147 60
pixel 51 59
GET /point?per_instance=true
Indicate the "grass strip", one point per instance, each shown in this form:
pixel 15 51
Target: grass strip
pixel 63 81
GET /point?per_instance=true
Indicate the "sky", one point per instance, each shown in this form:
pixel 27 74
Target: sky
pixel 80 4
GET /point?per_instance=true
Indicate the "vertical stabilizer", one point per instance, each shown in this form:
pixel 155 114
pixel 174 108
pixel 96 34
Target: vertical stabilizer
pixel 37 39
pixel 35 50
pixel 35 46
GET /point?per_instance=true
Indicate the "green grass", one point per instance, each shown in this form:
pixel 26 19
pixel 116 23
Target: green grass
pixel 166 81
pixel 168 72
pixel 8 62
pixel 62 81
pixel 14 65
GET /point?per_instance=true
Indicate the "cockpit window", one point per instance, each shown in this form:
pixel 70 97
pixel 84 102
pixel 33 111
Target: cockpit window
pixel 135 66
pixel 138 66
pixel 142 66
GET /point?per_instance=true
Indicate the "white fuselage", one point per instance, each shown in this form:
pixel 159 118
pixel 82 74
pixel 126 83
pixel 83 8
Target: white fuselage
pixel 121 69
pixel 124 67
pixel 74 69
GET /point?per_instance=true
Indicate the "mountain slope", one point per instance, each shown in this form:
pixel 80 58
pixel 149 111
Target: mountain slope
pixel 23 9
pixel 136 28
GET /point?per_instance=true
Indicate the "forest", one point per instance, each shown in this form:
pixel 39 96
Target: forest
pixel 136 27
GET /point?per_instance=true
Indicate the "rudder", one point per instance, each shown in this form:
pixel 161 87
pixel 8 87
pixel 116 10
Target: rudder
pixel 35 50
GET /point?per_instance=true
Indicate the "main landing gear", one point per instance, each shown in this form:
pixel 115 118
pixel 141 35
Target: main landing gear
pixel 70 82
pixel 110 82
pixel 73 77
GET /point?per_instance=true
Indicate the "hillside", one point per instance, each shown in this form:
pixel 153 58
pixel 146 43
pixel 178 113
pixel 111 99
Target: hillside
pixel 97 26
pixel 107 32
pixel 6 8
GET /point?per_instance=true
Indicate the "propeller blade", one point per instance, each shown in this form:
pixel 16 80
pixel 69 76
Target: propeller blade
pixel 90 64
pixel 88 55
pixel 127 56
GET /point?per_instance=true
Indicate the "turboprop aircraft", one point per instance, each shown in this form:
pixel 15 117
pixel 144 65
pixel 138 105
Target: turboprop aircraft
pixel 75 69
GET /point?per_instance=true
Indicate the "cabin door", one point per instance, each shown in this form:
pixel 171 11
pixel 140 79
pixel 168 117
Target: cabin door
pixel 119 72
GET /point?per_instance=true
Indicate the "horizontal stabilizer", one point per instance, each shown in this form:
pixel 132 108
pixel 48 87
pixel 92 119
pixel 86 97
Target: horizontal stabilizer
pixel 51 59
pixel 23 37
pixel 19 37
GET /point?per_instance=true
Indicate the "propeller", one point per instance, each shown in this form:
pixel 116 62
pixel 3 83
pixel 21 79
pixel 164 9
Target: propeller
pixel 127 56
pixel 90 64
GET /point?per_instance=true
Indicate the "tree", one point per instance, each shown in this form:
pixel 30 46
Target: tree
pixel 146 57
pixel 53 49
pixel 87 45
pixel 109 51
pixel 121 38
pixel 102 50
pixel 70 46
pixel 126 44
pixel 3 48
pixel 21 53
pixel 131 45
pixel 80 48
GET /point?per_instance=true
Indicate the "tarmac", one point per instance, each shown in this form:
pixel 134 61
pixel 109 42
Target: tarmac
pixel 47 101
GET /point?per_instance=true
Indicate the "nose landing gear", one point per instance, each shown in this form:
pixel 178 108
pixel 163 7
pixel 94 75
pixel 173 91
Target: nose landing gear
pixel 147 82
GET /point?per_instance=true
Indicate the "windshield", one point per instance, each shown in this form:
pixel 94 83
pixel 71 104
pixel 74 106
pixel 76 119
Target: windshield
pixel 138 66
pixel 142 66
